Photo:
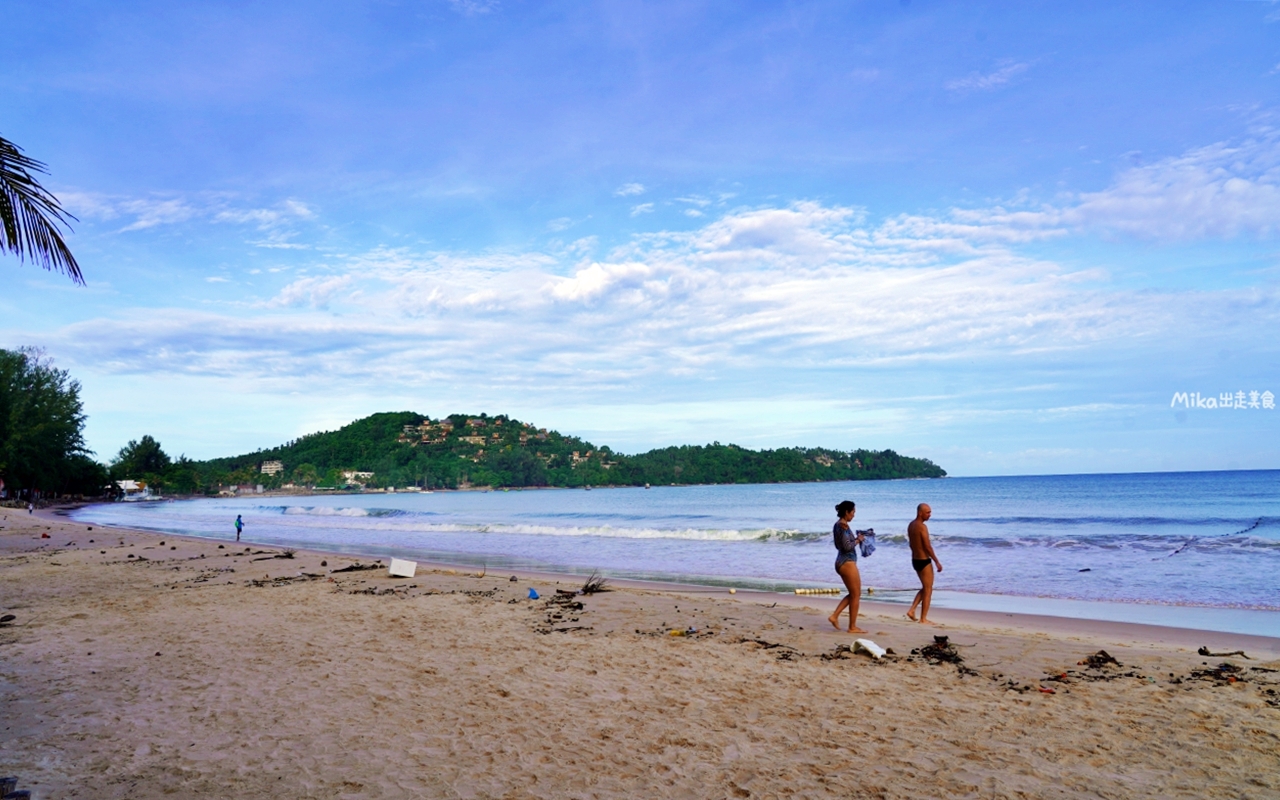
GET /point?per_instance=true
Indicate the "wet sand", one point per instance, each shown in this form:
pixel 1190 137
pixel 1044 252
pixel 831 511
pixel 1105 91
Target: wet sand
pixel 139 669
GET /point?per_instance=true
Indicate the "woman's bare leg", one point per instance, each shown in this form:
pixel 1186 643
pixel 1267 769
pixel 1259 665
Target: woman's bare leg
pixel 834 619
pixel 853 583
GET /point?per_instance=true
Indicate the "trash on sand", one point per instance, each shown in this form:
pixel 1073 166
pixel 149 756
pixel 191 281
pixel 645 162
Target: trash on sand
pixel 533 593
pixel 1204 651
pixel 1099 660
pixel 1047 691
pixel 869 647
pixel 400 568
pixel 356 567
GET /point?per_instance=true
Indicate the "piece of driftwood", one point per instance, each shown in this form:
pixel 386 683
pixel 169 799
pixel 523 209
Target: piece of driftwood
pixel 1204 651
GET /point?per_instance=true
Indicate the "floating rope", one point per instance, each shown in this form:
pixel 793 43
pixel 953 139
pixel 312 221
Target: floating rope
pixel 1195 539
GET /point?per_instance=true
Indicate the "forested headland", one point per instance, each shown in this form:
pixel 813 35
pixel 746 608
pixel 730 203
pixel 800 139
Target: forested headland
pixel 405 449
pixel 43 454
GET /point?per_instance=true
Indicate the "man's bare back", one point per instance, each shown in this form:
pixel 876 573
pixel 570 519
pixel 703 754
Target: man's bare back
pixel 923 561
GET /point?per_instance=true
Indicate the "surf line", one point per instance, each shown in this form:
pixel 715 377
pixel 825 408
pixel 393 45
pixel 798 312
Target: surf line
pixel 1195 539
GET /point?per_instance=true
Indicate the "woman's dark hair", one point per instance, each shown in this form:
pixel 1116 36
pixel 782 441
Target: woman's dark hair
pixel 844 507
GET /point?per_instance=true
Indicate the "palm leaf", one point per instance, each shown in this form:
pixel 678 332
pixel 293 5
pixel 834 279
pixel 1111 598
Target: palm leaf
pixel 31 218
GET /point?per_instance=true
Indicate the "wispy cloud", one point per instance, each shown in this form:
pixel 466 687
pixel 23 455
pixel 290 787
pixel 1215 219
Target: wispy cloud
pixel 315 292
pixel 643 208
pixel 1219 191
pixel 806 285
pixel 474 7
pixel 629 190
pixel 986 81
pixel 151 212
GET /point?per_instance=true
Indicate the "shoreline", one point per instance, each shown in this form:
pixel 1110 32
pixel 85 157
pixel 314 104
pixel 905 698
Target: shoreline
pixel 1229 621
pixel 1189 638
pixel 145 665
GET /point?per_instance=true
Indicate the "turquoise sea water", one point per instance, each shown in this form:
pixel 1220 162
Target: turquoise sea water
pixel 1207 541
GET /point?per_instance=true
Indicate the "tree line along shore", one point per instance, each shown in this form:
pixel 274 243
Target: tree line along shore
pixel 43 454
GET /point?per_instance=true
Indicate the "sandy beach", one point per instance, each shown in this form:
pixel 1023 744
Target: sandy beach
pixel 140 665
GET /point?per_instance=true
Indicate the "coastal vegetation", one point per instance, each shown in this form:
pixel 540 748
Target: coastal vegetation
pixel 404 449
pixel 42 448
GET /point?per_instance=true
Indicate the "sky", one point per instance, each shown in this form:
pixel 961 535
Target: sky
pixel 1003 236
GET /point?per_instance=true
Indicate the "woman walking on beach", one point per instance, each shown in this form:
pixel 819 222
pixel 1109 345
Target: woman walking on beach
pixel 847 566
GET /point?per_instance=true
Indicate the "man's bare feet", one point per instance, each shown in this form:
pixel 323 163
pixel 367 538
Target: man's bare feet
pixel 911 615
pixel 856 630
pixel 927 622
pixel 835 622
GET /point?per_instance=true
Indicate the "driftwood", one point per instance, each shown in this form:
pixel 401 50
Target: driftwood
pixel 1204 651
pixel 357 567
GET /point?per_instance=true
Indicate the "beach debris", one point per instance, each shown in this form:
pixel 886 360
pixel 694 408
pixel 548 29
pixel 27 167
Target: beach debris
pixel 7 784
pixel 356 567
pixel 594 584
pixel 733 591
pixel 45 536
pixel 1226 672
pixel 942 651
pixel 1099 660
pixel 402 568
pixel 806 591
pixel 936 654
pixel 7 618
pixel 1046 691
pixel 324 563
pixel 1204 651
pixel 533 593
pixel 513 579
pixel 1086 569
pixel 770 645
pixel 869 647
pixel 566 593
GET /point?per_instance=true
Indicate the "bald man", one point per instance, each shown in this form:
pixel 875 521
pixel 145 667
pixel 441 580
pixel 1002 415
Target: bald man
pixel 923 561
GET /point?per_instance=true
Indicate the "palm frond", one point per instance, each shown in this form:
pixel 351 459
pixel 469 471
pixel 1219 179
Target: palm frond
pixel 30 216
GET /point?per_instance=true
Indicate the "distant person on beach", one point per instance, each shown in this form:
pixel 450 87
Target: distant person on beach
pixel 923 561
pixel 239 526
pixel 847 566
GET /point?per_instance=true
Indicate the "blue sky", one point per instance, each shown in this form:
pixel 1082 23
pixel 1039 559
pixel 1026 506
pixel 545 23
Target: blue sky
pixel 1000 235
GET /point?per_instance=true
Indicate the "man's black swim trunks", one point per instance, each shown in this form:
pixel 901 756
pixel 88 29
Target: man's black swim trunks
pixel 920 563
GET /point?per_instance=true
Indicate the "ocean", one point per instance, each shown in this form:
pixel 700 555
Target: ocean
pixel 1196 550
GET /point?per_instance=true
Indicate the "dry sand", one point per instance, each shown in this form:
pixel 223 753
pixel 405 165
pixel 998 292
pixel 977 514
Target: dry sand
pixel 210 672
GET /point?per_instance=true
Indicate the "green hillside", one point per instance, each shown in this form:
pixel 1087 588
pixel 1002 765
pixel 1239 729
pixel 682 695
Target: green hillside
pixel 405 449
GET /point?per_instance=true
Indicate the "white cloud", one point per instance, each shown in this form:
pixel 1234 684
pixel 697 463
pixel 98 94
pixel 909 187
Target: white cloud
pixel 473 7
pixel 629 190
pixel 983 82
pixel 801 287
pixel 314 291
pixel 692 212
pixel 150 212
pixel 1219 191
pixel 559 224
pixel 643 208
pixel 266 218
